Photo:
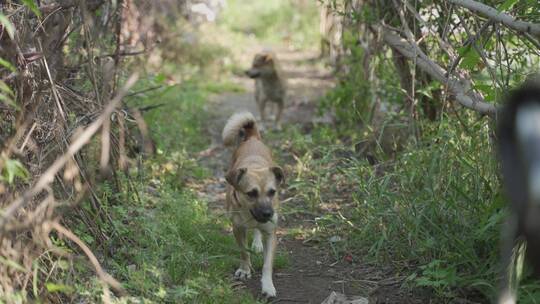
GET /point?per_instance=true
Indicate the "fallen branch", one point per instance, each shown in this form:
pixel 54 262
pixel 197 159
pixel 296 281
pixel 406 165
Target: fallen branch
pixel 495 15
pixel 103 275
pixel 459 87
pixel 78 143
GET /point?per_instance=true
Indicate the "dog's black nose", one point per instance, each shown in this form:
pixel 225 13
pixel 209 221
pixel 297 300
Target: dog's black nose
pixel 252 73
pixel 267 213
pixel 262 214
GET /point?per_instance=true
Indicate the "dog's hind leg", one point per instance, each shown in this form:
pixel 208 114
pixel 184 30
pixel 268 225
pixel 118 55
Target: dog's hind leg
pixel 257 245
pixel 268 289
pixel 262 105
pixel 244 271
pixel 278 115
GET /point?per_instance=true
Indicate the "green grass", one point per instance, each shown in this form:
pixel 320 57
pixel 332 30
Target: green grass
pixel 433 211
pixel 274 21
pixel 179 123
pixel 181 253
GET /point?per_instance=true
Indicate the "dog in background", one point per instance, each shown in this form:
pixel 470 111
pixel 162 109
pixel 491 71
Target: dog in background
pixel 252 201
pixel 270 84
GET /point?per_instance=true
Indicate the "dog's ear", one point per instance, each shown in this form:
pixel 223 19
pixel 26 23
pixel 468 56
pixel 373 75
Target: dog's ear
pixel 234 176
pixel 278 172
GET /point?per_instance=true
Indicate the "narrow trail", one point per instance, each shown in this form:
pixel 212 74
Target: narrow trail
pixel 311 273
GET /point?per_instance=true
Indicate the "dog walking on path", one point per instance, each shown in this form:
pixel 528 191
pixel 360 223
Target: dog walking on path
pixel 270 84
pixel 252 199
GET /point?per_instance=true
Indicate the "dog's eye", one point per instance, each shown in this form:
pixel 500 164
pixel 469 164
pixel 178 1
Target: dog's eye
pixel 253 193
pixel 271 192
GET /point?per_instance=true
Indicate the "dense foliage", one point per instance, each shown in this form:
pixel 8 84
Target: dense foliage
pixel 432 202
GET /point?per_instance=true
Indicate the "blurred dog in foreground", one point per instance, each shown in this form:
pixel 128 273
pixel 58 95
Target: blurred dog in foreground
pixel 519 151
pixel 252 195
pixel 270 84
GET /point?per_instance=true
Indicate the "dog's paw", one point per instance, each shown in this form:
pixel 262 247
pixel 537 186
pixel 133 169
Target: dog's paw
pixel 268 289
pixel 242 274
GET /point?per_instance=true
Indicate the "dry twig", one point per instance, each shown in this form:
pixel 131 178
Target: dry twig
pixel 103 275
pixel 80 141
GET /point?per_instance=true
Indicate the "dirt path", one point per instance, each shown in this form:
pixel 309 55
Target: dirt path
pixel 311 273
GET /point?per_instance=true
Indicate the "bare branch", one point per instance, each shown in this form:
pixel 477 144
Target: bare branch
pixel 493 14
pixel 460 87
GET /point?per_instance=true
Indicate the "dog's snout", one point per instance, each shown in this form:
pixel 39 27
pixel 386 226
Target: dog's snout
pixel 263 214
pixel 267 212
pixel 252 73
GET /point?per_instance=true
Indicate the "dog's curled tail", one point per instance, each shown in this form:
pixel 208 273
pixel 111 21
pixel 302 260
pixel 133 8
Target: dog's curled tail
pixel 240 127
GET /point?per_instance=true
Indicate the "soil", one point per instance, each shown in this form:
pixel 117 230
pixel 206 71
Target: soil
pixel 312 272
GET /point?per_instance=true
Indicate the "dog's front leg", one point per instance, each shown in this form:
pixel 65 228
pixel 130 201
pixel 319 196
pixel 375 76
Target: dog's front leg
pixel 268 288
pixel 257 244
pixel 244 271
pixel 262 106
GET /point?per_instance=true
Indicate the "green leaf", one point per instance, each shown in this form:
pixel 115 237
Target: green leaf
pixel 7 95
pixel 489 91
pixel 484 88
pixel 506 5
pixel 8 101
pixel 470 58
pixel 32 6
pixel 12 264
pixel 160 78
pixel 53 287
pixel 5 88
pixel 7 65
pixel 13 168
pixel 10 29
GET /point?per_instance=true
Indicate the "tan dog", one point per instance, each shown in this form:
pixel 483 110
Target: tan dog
pixel 270 84
pixel 252 195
